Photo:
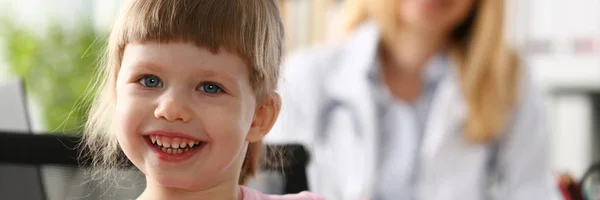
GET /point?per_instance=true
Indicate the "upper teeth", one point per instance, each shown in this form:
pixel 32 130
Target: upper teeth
pixel 172 142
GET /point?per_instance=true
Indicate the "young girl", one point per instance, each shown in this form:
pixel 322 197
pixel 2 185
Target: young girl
pixel 187 93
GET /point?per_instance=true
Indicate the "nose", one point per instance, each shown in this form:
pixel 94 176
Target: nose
pixel 173 108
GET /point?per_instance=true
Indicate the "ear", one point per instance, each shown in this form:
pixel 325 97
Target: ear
pixel 264 118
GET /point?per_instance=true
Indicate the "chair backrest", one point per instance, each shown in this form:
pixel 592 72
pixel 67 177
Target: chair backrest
pixel 288 176
pixel 285 170
pixel 18 181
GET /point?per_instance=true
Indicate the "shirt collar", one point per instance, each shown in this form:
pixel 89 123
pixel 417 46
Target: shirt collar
pixel 435 69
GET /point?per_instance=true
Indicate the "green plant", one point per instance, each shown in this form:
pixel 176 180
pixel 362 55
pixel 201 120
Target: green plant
pixel 56 66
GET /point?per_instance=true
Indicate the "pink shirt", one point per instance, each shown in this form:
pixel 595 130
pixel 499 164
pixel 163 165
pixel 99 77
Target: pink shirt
pixel 250 194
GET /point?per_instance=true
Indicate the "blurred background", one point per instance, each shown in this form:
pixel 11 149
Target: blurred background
pixel 53 47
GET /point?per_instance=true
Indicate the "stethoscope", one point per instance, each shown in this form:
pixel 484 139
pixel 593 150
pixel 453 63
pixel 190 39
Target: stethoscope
pixel 326 116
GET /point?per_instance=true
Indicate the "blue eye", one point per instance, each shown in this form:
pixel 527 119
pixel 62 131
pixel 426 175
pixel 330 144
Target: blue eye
pixel 210 88
pixel 150 81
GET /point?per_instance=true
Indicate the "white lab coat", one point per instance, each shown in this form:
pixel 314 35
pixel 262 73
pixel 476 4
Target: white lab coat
pixel 328 107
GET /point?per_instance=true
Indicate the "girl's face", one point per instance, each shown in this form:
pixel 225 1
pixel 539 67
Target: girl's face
pixel 184 115
pixel 435 15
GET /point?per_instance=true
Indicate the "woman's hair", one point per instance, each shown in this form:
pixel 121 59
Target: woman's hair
pixel 487 66
pixel 252 29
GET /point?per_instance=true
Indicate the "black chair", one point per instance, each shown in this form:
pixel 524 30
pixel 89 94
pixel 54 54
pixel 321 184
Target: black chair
pixel 64 150
pixel 17 181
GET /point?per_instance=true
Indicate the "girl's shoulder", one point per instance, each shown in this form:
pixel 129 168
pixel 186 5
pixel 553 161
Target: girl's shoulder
pixel 250 194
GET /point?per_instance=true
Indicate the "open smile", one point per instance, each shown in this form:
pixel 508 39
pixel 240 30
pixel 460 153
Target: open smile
pixel 174 149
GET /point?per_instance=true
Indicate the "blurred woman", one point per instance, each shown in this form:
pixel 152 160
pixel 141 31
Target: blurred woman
pixel 423 99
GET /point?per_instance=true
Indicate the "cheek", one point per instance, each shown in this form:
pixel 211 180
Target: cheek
pixel 127 122
pixel 226 121
pixel 227 134
pixel 227 125
pixel 132 108
pixel 125 108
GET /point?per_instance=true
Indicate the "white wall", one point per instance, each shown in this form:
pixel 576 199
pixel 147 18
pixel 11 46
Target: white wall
pixel 561 23
pixel 572 139
pixel 105 12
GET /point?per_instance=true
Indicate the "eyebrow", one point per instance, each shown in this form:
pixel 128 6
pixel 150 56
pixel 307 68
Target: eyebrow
pixel 142 65
pixel 228 76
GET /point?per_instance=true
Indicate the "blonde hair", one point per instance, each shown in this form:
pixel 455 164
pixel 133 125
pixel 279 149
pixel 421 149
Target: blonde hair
pixel 487 66
pixel 252 29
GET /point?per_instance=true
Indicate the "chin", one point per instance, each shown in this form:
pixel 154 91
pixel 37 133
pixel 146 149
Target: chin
pixel 183 183
pixel 434 20
pixel 429 24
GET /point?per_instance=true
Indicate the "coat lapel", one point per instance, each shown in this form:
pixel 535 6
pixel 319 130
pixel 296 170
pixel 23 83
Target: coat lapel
pixel 348 83
pixel 447 115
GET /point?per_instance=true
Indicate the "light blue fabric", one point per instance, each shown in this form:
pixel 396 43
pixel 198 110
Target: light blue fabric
pixel 402 128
